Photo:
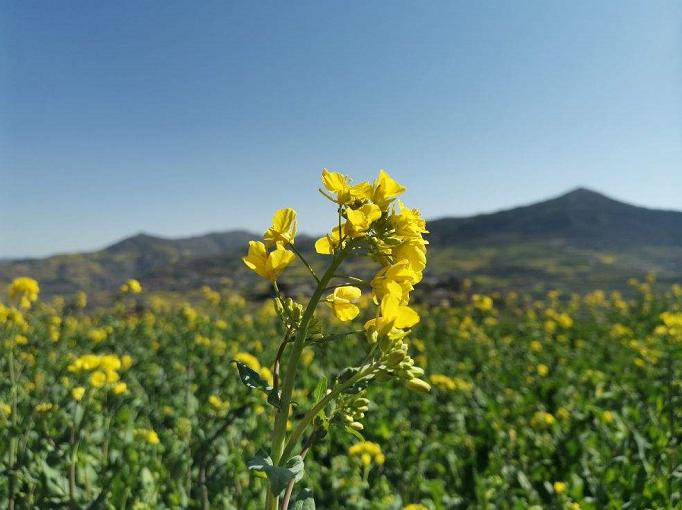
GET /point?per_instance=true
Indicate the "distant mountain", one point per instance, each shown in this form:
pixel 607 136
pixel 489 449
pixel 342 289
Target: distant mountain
pixel 133 257
pixel 578 241
pixel 582 218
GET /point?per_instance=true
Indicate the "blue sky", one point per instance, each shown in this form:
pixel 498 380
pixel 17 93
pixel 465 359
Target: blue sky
pixel 178 118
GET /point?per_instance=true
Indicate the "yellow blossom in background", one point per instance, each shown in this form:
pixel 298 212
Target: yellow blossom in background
pixel 415 506
pixel 342 302
pixel 220 406
pixel 132 286
pixel 44 407
pixel 148 435
pixel 119 388
pixel 542 419
pixel 542 370
pixel 367 452
pixel 98 379
pixel 559 487
pixel 482 303
pixel 5 410
pixel 23 291
pixel 78 392
pixel 607 417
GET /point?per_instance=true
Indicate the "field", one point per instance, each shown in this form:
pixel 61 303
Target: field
pixel 564 402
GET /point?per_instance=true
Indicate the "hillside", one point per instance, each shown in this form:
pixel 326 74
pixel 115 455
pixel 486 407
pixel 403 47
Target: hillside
pixel 577 241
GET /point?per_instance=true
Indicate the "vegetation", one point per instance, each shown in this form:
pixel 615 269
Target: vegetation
pixel 566 402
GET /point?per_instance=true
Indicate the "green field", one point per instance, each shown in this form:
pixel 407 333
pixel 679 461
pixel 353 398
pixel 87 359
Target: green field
pixel 562 402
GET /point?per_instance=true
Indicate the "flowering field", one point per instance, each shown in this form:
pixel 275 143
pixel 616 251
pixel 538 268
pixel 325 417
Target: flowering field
pixel 356 397
pixel 554 403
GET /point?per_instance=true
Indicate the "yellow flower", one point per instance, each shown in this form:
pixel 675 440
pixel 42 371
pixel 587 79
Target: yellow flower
pixel 543 370
pixel 397 280
pixel 339 184
pixel 385 190
pixel 360 220
pixel 342 302
pixel 367 452
pixel 98 379
pixel 148 435
pixel 559 487
pixel 607 417
pixel 126 362
pixel 78 392
pixel 393 315
pixel 283 229
pixel 44 407
pixel 327 244
pixel 97 335
pixel 24 291
pixel 415 506
pixel 542 419
pixel 132 286
pixel 270 265
pixel 218 404
pixel 120 388
pixel 482 303
pixel 5 409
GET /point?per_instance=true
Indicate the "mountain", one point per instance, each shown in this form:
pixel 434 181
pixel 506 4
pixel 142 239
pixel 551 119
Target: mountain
pixel 133 257
pixel 581 218
pixel 578 241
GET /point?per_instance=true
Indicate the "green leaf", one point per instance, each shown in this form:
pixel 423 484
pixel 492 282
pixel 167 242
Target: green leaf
pixel 251 378
pixel 279 476
pixel 304 500
pixel 320 389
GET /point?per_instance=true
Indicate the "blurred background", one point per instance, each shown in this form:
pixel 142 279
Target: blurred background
pixel 176 120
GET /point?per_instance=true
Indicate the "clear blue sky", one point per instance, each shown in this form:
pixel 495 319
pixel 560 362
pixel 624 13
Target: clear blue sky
pixel 178 118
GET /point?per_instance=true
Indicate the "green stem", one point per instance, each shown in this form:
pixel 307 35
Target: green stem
pixel 310 415
pixel 289 376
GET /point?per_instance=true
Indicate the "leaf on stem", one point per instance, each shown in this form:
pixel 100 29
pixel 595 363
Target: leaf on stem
pixel 304 500
pixel 278 476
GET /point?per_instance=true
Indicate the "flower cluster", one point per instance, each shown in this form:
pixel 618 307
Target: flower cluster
pixel 367 452
pixel 131 287
pixel 103 369
pixel 24 291
pixel 271 264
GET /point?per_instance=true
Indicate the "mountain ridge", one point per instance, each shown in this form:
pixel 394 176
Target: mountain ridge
pixel 563 235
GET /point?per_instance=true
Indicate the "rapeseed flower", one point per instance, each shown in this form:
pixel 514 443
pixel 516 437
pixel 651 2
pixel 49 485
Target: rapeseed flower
pixel 342 302
pixel 24 291
pixel 268 265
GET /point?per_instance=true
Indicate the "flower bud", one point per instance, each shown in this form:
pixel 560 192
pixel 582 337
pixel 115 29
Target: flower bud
pixel 394 358
pixel 418 385
pixel 356 425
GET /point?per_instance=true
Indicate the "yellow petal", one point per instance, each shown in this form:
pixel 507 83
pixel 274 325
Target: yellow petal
pixel 334 181
pixel 345 311
pixel 406 318
pixel 277 261
pixel 256 258
pixel 347 293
